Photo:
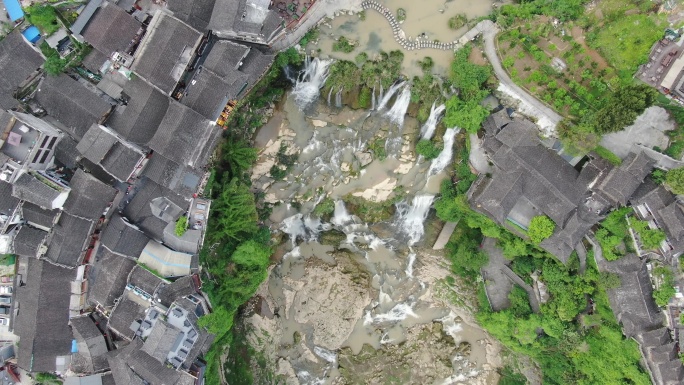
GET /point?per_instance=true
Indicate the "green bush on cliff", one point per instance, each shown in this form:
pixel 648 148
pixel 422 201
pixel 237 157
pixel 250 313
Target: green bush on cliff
pixel 365 97
pixel 427 149
pixel 343 45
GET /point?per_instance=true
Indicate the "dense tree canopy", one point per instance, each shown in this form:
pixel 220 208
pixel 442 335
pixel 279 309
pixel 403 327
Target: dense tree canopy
pixel 44 17
pixel 623 107
pixel 675 180
pixel 467 115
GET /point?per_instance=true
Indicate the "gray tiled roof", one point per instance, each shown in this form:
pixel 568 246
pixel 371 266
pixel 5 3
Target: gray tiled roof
pixel 27 187
pixel 85 16
pixel 120 161
pixel 18 60
pixel 28 241
pixel 210 93
pixel 88 197
pixel 70 237
pixel 111 29
pixel 109 276
pixel 187 137
pixel 500 194
pixel 38 217
pixel 152 370
pixel 92 348
pixel 96 143
pixel 181 179
pixel 144 280
pixel 124 314
pixel 223 16
pixel 66 152
pixel 42 320
pixel 122 238
pixel 180 288
pixel 673 221
pixel 161 340
pixel 71 103
pixel 139 209
pixel 8 203
pixel 633 302
pixel 196 13
pixel 139 119
pixel 122 373
pixel 224 57
pixel 165 51
pixel 255 64
pixel 94 61
pixel 188 243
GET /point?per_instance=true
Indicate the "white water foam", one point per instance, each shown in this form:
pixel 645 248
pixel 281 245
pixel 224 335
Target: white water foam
pixel 312 79
pixel 409 266
pixel 411 217
pixel 384 99
pixel 398 111
pixel 430 125
pixel 444 157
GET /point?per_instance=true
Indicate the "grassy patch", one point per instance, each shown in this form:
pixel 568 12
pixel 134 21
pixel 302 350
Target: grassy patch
pixel 626 42
pixel 608 155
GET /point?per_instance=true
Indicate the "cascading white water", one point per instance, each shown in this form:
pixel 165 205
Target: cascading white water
pixel 430 125
pixel 409 265
pixel 411 217
pixel 341 216
pixel 398 111
pixel 330 94
pixel 373 99
pixel 386 97
pixel 310 82
pixel 444 157
pixel 338 98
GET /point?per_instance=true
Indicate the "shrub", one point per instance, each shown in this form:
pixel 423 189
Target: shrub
pixel 325 208
pixel 458 21
pixel 343 45
pixel 44 17
pixel 181 226
pixel 541 227
pixel 427 149
pixel 675 180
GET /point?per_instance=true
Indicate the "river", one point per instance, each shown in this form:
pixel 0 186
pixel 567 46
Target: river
pixel 350 296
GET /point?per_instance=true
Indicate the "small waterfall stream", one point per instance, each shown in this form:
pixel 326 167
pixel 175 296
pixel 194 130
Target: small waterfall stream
pixel 384 99
pixel 311 80
pixel 330 94
pixel 430 125
pixel 411 217
pixel 444 158
pixel 398 111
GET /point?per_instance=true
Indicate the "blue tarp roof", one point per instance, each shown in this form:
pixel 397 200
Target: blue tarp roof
pixel 13 9
pixel 74 346
pixel 32 34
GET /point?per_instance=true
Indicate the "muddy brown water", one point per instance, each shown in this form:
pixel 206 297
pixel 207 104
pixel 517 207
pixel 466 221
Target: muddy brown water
pixel 422 17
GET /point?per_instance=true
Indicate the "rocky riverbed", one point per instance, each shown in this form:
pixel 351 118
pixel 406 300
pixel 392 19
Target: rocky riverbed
pixel 357 300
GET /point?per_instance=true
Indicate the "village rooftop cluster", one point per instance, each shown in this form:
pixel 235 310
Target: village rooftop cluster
pixel 97 166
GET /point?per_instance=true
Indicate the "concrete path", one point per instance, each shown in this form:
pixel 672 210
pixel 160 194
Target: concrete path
pixel 320 10
pixel 478 157
pixel 444 235
pixel 547 119
pixel 648 130
pixel 497 285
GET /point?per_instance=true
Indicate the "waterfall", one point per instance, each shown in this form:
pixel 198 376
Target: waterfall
pixel 409 265
pixel 294 227
pixel 398 111
pixel 289 74
pixel 373 98
pixel 386 97
pixel 309 84
pixel 428 128
pixel 341 216
pixel 338 98
pixel 411 217
pixel 444 157
pixel 330 94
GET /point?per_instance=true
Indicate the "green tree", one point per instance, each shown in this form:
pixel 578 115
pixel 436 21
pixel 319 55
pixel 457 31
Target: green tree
pixel 44 17
pixel 541 227
pixel 468 77
pixel 234 214
pixel 467 115
pixel 675 180
pixel 54 65
pixel 427 149
pixel 623 107
pixel 287 57
pixel 237 157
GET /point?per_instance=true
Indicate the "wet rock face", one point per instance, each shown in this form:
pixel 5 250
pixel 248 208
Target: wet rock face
pixel 424 358
pixel 330 299
pixel 364 158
